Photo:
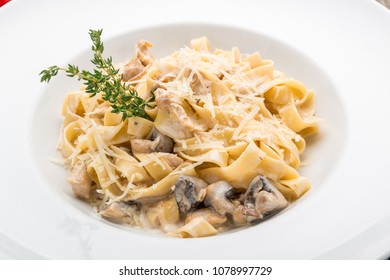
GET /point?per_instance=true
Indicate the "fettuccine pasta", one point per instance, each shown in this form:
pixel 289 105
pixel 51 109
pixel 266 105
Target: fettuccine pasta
pixel 221 147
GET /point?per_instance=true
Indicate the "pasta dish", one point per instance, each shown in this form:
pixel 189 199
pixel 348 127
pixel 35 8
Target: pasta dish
pixel 219 149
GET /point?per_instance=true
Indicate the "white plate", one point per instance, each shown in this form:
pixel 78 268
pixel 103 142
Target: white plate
pixel 338 48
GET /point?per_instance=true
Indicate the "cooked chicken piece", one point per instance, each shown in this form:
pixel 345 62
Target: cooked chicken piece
pixel 200 86
pixel 142 51
pixel 116 210
pixel 80 180
pixel 173 160
pixel 155 142
pixel 136 66
pixel 143 146
pixel 238 213
pixel 189 192
pixel 181 116
pixel 208 215
pixel 132 71
pixel 217 195
pixel 262 199
pixel 100 110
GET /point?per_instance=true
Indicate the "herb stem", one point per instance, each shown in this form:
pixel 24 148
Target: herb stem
pixel 105 78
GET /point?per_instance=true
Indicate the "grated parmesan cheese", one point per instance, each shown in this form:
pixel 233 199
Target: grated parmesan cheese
pixel 244 122
pixel 230 118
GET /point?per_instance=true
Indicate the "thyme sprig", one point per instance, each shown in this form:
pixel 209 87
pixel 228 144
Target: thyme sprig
pixel 105 78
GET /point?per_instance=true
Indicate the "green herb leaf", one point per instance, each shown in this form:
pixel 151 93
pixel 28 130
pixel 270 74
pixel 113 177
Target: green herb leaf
pixel 104 78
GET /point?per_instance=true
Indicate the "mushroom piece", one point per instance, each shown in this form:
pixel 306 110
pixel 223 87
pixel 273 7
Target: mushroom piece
pixel 262 199
pixel 155 142
pixel 189 192
pixel 161 142
pixel 217 197
pixel 208 215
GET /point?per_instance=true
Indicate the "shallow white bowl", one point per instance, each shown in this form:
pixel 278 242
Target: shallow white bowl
pixel 343 216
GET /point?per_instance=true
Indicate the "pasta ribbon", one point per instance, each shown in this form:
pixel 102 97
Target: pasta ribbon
pixel 221 119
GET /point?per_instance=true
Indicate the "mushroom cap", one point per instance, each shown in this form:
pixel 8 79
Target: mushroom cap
pixel 189 192
pixel 217 197
pixel 262 199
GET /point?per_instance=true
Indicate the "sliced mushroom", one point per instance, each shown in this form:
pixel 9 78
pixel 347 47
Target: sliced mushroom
pixel 217 197
pixel 161 142
pixel 79 180
pixel 208 215
pixel 262 199
pixel 155 142
pixel 189 192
